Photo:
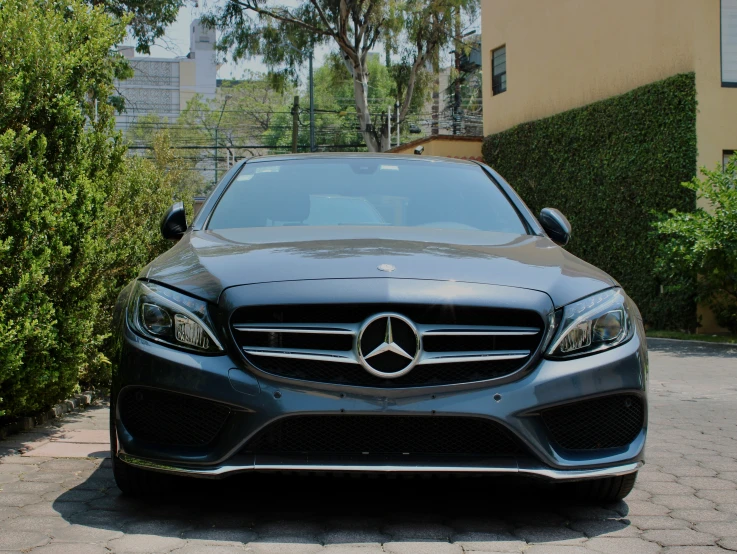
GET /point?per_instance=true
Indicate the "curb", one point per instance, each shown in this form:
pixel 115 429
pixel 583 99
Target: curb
pixel 655 340
pixel 77 402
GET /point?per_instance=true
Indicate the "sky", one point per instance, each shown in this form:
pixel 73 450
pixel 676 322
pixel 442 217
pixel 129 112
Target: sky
pixel 176 42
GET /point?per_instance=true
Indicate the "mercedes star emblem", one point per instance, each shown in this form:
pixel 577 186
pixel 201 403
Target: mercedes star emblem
pixel 386 267
pixel 388 345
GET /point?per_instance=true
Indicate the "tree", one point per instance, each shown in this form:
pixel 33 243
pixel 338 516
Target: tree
pixel 77 216
pixel 333 105
pixel 418 28
pixel 252 106
pixel 704 242
pixel 148 19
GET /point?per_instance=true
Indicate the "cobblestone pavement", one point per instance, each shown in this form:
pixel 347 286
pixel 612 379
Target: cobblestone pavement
pixel 685 500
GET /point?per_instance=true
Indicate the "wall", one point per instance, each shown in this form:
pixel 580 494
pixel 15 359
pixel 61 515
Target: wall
pixel 187 81
pixel 448 146
pixel 569 53
pixel 564 54
pixel 716 119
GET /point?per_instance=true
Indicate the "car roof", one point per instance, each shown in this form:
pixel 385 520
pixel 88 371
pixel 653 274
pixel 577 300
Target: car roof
pixel 370 155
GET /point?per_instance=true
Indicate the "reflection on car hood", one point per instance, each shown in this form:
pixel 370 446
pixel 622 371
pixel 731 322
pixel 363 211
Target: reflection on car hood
pixel 204 263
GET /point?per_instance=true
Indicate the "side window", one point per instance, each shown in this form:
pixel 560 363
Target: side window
pixel 726 155
pixel 729 43
pixel 499 70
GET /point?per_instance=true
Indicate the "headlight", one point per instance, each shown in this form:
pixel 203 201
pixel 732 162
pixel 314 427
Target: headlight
pixel 596 323
pixel 166 316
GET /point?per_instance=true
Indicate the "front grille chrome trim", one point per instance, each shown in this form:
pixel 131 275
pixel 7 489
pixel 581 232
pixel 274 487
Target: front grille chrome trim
pixel 306 328
pixel 474 356
pixel 474 330
pixel 339 356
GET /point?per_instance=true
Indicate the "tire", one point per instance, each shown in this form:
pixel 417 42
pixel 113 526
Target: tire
pixel 607 489
pixel 133 481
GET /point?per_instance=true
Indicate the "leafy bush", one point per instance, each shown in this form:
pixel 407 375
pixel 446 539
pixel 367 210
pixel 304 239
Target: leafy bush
pixel 77 217
pixel 704 242
pixel 609 166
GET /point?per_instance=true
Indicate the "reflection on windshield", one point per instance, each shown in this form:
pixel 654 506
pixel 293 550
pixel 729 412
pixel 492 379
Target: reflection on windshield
pixel 365 191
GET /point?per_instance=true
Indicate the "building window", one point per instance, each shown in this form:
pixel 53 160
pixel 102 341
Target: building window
pixel 726 154
pixel 729 43
pixel 499 70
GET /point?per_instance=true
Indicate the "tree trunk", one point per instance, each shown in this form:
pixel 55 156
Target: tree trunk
pixel 360 88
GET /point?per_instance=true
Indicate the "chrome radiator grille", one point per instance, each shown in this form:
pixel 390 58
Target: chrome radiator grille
pixel 453 345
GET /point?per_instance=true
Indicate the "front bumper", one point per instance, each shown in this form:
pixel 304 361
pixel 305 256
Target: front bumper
pixel 256 402
pixel 501 466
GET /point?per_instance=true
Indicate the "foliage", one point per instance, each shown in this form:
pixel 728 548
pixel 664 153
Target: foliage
pixel 239 116
pixel 334 121
pixel 253 105
pixel 704 242
pixel 414 32
pixel 128 236
pixel 161 140
pixel 608 166
pixel 76 215
pixel 148 18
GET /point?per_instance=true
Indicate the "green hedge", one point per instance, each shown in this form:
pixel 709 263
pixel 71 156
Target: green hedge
pixel 78 218
pixel 609 167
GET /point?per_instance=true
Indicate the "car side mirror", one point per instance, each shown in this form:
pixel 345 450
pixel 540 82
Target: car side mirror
pixel 174 222
pixel 556 226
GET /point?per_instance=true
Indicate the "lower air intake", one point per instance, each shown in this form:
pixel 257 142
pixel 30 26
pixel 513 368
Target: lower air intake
pixel 390 435
pixel 606 422
pixel 168 418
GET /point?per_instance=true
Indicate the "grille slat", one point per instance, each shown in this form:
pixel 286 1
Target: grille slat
pixel 606 422
pixel 317 342
pixel 384 435
pixel 354 374
pixel 460 344
pixel 172 419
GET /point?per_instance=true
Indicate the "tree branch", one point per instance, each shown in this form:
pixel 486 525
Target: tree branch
pixel 285 16
pixel 323 17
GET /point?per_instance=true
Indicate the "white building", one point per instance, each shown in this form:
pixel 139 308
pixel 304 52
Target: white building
pixel 163 86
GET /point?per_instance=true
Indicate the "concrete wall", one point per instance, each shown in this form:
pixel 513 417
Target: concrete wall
pixel 187 81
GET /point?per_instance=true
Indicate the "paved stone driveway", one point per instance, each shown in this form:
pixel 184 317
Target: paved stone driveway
pixel 685 500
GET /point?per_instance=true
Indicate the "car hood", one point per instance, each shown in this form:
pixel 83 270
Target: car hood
pixel 204 263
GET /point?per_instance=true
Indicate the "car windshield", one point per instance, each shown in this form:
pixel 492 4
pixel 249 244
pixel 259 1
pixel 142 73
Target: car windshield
pixel 365 191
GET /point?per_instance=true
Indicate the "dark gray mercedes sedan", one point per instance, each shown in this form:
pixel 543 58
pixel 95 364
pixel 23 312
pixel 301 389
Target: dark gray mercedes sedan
pixel 376 314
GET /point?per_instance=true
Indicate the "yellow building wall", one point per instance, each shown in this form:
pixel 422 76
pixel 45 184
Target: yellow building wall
pixel 564 54
pixel 716 118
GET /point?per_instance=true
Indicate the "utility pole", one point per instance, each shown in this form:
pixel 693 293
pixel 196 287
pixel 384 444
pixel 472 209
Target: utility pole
pixel 311 54
pixel 217 128
pixel 313 147
pixel 457 93
pixel 389 127
pixel 396 120
pixel 295 123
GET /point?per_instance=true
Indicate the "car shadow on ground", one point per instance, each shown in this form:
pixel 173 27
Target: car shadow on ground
pixel 314 509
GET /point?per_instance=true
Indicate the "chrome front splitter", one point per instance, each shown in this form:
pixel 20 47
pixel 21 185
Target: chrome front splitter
pixel 242 464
